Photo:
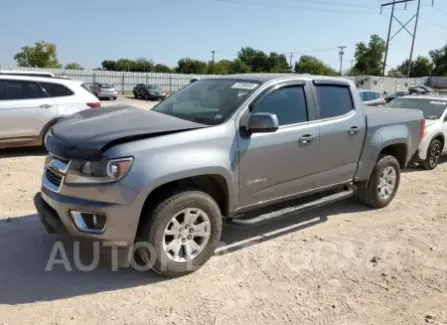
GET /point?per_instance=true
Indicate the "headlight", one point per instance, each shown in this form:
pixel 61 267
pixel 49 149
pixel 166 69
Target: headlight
pixel 98 171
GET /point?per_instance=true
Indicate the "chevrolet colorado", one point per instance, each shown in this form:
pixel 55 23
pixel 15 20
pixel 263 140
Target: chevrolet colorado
pixel 217 149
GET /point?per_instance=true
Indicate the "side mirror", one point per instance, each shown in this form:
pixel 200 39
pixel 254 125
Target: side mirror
pixel 262 123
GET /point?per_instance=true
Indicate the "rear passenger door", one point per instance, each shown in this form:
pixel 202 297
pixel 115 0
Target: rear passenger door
pixel 25 108
pixel 279 164
pixel 65 99
pixel 342 132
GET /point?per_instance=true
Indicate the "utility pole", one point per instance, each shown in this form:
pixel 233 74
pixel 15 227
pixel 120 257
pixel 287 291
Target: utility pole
pixel 414 38
pixel 290 64
pixel 341 58
pixel 403 26
pixel 212 61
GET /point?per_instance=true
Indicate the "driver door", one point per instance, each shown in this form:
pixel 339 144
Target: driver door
pixel 280 164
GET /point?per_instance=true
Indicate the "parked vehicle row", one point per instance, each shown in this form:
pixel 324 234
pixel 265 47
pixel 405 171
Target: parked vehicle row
pixel 220 148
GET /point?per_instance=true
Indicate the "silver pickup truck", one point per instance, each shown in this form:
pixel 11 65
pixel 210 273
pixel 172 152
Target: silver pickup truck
pixel 219 148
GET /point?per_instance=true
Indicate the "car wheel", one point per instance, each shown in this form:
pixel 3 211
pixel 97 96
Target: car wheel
pixel 382 185
pixel 433 154
pixel 114 98
pixel 135 95
pixel 182 232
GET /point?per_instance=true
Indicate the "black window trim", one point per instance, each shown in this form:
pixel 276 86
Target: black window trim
pixel 333 84
pixel 308 97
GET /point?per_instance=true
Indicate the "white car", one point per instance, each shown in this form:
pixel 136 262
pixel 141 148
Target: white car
pixel 29 106
pixel 432 141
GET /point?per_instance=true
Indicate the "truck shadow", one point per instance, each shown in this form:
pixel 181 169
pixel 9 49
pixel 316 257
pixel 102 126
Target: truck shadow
pixel 26 250
pixel 23 152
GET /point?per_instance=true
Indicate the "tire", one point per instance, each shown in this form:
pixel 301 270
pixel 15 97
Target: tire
pixel 369 192
pixel 157 220
pixel 433 153
pixel 135 95
pixel 114 98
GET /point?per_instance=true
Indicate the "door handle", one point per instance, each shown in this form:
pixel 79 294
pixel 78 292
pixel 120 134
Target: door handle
pixel 353 130
pixel 306 138
pixel 45 106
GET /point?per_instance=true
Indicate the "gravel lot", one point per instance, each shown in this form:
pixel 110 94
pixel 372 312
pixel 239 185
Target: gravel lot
pixel 130 100
pixel 342 264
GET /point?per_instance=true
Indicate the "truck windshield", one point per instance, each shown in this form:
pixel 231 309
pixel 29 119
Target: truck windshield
pixel 431 108
pixel 208 101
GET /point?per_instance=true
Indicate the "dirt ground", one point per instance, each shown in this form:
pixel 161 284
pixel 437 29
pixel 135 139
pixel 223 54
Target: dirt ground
pixel 342 264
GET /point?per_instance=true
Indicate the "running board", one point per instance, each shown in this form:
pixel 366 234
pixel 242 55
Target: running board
pixel 295 209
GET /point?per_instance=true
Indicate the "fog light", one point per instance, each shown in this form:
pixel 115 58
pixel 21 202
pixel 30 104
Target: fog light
pixel 89 222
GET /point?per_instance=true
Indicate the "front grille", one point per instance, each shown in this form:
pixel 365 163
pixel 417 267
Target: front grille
pixel 53 177
pixel 55 170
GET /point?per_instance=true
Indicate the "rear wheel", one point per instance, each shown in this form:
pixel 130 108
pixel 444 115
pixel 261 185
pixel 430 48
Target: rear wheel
pixel 433 154
pixel 135 95
pixel 382 185
pixel 180 234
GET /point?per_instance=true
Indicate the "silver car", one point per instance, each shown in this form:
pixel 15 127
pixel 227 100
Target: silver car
pixel 104 90
pixel 372 98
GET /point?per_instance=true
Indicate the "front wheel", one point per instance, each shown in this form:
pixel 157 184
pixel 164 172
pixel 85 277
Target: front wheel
pixel 382 185
pixel 433 154
pixel 180 234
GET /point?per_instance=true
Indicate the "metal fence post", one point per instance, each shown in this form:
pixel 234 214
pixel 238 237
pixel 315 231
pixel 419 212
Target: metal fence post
pixel 122 84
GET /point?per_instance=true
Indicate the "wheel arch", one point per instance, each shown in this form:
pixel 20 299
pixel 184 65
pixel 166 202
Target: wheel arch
pixel 214 185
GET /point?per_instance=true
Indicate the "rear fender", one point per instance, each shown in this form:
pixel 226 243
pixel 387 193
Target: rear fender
pixel 376 142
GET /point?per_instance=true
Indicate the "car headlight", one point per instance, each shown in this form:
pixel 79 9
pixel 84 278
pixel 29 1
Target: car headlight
pixel 106 171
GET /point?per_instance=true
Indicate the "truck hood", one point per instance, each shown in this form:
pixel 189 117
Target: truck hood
pixel 87 134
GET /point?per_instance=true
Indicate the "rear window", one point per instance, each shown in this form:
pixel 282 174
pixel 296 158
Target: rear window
pixel 107 86
pixel 334 100
pixel 56 90
pixel 431 108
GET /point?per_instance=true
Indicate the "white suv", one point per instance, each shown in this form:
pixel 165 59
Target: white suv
pixel 29 106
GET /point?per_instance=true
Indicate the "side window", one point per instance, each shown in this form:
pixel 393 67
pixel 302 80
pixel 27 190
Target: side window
pixel 56 90
pixel 375 95
pixel 362 96
pixel 334 100
pixel 288 103
pixel 20 89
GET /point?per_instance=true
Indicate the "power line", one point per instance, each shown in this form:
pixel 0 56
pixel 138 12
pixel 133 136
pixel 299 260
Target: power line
pixel 335 4
pixel 297 8
pixel 434 24
pixel 436 8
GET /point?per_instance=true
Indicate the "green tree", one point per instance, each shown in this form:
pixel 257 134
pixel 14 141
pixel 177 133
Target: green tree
pixel 312 65
pixel 439 59
pixel 421 67
pixel 162 68
pixel 109 65
pixel 369 58
pixel 191 66
pixel 74 66
pixel 221 67
pixel 239 66
pixel 277 63
pixel 41 55
pixel 142 65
